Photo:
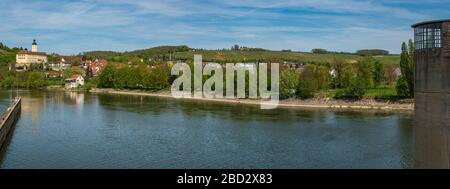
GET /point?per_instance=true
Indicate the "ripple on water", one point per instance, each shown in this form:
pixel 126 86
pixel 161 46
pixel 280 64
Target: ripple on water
pixel 60 130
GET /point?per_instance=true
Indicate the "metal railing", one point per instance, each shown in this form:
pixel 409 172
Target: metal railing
pixel 9 109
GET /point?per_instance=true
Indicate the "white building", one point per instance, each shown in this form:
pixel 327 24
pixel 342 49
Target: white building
pixel 60 65
pixel 74 81
pixel 25 58
pixel 333 73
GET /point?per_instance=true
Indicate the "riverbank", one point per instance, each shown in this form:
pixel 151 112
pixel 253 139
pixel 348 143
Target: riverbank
pixel 365 104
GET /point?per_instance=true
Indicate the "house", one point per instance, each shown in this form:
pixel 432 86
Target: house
pixel 93 68
pixel 74 81
pixel 333 73
pixel 60 65
pixel 25 58
pixel 397 73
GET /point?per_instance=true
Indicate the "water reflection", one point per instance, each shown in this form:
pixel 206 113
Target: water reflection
pixel 82 130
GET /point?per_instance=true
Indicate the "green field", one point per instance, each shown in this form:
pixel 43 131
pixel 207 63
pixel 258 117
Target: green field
pixel 385 92
pixel 277 56
pixel 389 59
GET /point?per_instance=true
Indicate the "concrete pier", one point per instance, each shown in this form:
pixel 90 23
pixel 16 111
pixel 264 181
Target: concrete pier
pixel 8 120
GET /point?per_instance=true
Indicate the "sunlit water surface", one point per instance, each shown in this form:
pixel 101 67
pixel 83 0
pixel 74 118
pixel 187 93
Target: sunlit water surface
pixel 82 130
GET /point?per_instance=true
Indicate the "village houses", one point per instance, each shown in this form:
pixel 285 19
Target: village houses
pixel 93 68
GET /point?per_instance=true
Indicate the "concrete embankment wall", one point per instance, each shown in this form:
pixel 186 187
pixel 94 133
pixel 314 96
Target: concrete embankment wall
pixel 8 120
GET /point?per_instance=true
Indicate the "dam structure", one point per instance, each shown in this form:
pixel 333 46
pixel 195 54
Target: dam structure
pixel 8 120
pixel 432 94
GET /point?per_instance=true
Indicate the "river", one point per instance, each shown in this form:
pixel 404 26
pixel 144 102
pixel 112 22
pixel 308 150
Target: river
pixel 84 130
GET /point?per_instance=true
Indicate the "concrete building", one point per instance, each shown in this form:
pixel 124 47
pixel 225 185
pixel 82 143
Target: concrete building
pixel 25 58
pixel 432 93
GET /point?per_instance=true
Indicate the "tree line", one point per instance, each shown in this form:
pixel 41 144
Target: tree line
pixel 352 79
pixel 33 80
pixel 361 52
pixel 134 77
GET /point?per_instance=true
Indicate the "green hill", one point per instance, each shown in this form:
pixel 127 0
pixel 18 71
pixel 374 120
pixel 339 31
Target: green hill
pixel 7 55
pixel 184 53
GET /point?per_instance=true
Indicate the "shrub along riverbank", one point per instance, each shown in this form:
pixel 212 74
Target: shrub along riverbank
pixel 365 79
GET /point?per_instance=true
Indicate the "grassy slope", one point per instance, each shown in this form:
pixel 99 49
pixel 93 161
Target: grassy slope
pixel 270 56
pixel 6 57
pixel 389 59
pixel 382 92
pixel 185 53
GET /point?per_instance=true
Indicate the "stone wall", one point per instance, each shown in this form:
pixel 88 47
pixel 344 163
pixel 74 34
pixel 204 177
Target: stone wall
pixel 8 120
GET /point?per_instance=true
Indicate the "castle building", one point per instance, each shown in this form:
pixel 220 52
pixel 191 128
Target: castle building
pixel 25 58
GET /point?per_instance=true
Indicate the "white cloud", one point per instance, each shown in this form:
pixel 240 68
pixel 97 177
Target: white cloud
pixel 342 6
pixel 65 26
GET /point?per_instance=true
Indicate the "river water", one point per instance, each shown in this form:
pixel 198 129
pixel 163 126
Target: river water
pixel 83 130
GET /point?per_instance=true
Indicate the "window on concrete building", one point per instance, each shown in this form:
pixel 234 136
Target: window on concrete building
pixel 428 36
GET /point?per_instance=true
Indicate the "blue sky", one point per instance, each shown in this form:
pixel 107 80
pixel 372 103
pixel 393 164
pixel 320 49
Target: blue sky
pixel 70 27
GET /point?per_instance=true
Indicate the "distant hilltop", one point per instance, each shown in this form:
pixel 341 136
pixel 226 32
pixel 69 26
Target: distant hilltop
pixel 238 54
pixel 233 54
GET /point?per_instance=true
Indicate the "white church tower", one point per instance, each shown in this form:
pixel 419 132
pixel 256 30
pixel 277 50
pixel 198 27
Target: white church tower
pixel 34 46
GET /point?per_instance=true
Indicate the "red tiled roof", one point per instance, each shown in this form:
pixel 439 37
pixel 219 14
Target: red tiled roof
pixel 75 76
pixel 31 53
pixel 96 62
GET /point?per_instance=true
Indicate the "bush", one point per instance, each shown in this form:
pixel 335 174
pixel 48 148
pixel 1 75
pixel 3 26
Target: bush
pixel 312 79
pixel 319 51
pixel 323 77
pixel 403 88
pixel 347 76
pixel 8 81
pixel 106 77
pixel 378 77
pixel 340 94
pixel 305 90
pixel 366 70
pixel 88 86
pixel 289 81
pixel 35 80
pixel 356 90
